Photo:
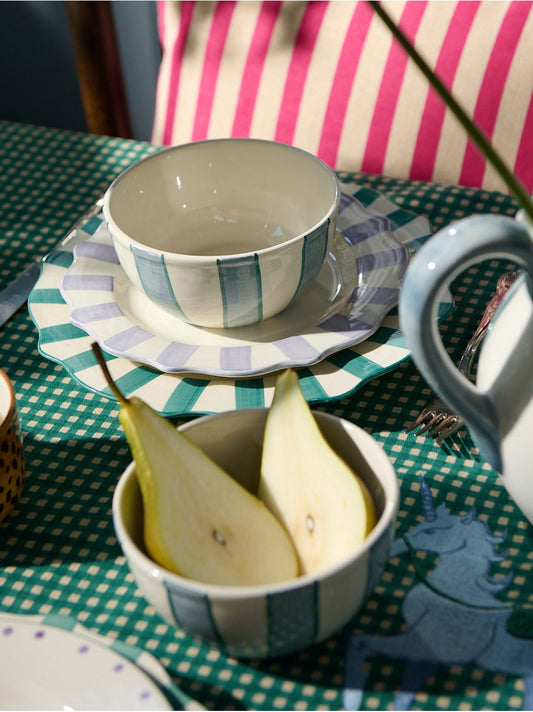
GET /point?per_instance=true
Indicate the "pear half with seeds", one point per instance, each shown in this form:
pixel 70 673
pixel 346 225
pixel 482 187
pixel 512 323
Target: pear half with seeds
pixel 326 508
pixel 198 521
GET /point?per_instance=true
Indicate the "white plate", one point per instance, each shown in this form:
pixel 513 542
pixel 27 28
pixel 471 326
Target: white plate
pixel 357 286
pixel 173 394
pixel 52 663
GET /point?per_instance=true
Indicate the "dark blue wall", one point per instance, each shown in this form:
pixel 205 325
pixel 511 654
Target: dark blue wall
pixel 136 27
pixel 38 82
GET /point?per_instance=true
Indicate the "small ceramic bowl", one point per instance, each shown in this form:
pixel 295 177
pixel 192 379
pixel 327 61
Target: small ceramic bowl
pixel 278 619
pixel 225 232
pixel 12 469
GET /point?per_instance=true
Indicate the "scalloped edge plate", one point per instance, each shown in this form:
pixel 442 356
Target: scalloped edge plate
pixel 358 285
pixel 173 394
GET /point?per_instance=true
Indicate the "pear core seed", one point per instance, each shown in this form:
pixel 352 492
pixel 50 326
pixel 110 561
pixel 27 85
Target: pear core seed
pixel 310 522
pixel 217 536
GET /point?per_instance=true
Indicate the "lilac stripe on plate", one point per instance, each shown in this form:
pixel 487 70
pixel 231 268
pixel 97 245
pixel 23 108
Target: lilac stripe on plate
pixel 96 312
pixel 346 200
pixel 97 251
pixel 175 355
pixel 96 282
pixel 128 338
pixel 296 347
pixel 379 260
pixel 238 357
pixel 376 295
pixel 366 229
pixel 340 323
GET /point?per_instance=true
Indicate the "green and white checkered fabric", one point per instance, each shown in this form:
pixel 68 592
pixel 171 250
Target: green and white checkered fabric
pixel 58 551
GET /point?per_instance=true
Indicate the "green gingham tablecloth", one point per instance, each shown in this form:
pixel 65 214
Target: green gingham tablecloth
pixel 58 550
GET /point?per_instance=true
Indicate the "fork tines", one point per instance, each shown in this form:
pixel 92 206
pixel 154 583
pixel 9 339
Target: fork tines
pixel 437 420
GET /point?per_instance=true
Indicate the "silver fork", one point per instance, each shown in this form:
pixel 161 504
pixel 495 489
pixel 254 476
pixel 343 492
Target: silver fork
pixel 437 419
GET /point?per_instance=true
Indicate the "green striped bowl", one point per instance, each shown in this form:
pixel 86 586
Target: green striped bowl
pixel 283 618
pixel 226 232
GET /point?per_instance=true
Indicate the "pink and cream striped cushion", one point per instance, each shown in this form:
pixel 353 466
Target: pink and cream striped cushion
pixel 326 76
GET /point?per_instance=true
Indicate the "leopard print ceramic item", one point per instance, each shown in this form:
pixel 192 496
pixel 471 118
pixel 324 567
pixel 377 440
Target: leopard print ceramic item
pixel 12 469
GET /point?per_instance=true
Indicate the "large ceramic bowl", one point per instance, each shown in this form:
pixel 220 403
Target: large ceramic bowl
pixel 224 232
pixel 278 619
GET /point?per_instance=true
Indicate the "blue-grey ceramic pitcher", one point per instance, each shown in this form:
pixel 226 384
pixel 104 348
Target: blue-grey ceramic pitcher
pixel 498 408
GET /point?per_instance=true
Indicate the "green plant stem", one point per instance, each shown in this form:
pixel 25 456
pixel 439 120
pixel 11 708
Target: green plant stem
pixel 97 351
pixel 477 136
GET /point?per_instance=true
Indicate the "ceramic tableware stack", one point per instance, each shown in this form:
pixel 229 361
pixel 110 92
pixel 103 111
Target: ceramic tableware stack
pixel 214 266
pixel 338 255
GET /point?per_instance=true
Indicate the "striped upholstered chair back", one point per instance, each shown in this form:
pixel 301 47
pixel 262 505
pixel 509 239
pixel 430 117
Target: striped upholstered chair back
pixel 327 76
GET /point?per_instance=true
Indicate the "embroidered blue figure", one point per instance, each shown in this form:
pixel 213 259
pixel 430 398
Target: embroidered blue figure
pixel 452 615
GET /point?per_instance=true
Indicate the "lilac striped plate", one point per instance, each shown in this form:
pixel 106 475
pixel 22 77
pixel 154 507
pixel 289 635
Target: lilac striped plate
pixel 346 304
pixel 173 394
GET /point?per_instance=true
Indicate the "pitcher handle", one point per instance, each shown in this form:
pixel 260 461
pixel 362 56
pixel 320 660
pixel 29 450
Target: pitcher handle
pixel 444 256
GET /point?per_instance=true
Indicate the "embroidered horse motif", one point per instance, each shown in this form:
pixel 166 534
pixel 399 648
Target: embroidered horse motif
pixel 453 617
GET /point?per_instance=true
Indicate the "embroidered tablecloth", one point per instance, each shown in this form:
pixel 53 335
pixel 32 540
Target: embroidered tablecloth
pixel 437 632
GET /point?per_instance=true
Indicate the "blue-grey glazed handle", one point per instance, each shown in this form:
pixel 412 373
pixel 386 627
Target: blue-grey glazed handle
pixel 448 253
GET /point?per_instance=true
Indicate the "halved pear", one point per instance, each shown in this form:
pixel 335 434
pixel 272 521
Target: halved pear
pixel 198 521
pixel 323 504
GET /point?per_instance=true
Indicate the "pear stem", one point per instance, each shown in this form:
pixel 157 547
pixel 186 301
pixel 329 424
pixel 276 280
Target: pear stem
pixel 107 375
pixel 477 136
